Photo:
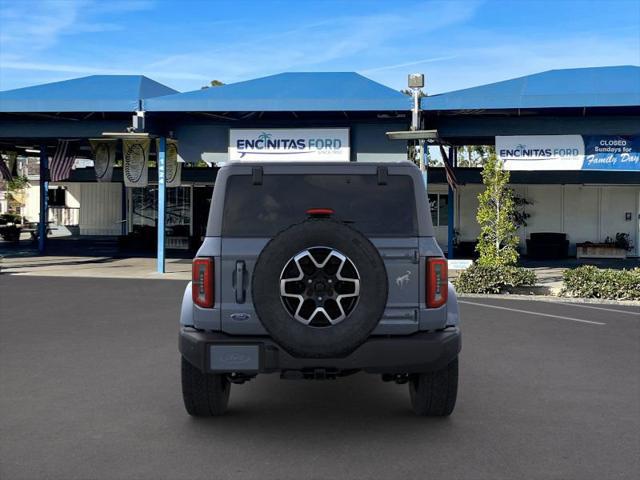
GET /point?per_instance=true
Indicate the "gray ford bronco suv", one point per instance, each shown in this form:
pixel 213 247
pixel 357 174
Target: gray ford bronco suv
pixel 315 271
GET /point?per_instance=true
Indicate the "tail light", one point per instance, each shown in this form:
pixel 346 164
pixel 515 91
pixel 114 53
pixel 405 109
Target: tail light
pixel 320 212
pixel 437 282
pixel 202 282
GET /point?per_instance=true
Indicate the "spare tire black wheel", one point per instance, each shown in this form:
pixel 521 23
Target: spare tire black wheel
pixel 319 288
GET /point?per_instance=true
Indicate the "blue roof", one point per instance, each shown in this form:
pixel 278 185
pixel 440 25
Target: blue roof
pixel 577 87
pixel 96 93
pixel 299 92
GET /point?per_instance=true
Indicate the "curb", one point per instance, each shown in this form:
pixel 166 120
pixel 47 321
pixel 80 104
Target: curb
pixel 552 299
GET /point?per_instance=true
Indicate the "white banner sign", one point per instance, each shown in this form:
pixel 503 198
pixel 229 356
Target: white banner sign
pixel 136 162
pixel 541 152
pixel 290 144
pixel 173 167
pixel 104 157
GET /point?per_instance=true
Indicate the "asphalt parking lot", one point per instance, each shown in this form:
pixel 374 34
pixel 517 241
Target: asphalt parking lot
pixel 89 389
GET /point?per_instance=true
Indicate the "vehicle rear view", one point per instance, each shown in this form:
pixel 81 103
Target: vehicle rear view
pixel 319 271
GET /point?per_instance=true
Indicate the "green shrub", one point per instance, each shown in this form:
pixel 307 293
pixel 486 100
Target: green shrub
pixel 6 218
pixel 592 282
pixel 493 279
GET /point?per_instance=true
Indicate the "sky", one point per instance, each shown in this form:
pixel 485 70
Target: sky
pixel 185 44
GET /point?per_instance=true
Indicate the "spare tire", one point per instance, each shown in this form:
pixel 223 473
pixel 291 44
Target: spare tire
pixel 319 288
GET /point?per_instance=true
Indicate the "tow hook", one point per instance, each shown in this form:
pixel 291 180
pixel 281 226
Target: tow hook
pixel 399 378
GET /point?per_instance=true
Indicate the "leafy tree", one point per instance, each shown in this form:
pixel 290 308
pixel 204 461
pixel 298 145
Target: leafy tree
pixel 409 92
pixel 496 210
pixel 429 160
pixel 213 83
pixel 474 155
pixel 15 194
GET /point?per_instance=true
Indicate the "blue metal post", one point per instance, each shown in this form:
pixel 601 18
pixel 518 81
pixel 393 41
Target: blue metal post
pixel 453 154
pixel 425 160
pixel 123 211
pixel 44 199
pixel 162 148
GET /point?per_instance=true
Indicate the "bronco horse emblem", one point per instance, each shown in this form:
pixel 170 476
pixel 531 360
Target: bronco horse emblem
pixel 402 280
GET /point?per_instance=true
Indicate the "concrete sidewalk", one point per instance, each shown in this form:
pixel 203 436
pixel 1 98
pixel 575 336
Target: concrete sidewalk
pixel 95 267
pixel 549 276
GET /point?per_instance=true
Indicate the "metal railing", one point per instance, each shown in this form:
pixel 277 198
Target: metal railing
pixel 64 215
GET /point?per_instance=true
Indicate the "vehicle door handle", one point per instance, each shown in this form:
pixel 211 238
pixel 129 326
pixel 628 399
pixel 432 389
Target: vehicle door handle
pixel 239 281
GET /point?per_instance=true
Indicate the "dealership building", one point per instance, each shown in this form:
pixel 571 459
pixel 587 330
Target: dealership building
pixel 570 137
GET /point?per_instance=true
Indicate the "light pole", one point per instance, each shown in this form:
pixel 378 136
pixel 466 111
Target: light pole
pixel 416 83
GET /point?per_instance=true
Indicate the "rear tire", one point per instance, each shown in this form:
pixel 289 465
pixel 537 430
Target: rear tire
pixel 204 394
pixel 433 394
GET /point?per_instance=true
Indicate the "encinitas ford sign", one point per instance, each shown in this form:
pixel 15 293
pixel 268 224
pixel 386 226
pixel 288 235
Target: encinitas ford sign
pixel 569 152
pixel 289 144
pixel 541 152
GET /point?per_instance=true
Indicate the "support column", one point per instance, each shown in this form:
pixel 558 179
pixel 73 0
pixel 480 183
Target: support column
pixel 453 158
pixel 424 164
pixel 44 199
pixel 124 231
pixel 162 190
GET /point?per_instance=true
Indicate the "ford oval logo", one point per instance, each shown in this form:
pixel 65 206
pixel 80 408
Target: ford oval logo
pixel 236 358
pixel 241 316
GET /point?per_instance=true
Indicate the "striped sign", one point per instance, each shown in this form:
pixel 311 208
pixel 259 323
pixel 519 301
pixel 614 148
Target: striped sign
pixel 104 157
pixel 136 162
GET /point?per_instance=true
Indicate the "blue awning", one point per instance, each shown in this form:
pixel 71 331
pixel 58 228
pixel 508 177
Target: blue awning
pixel 96 93
pixel 577 87
pixel 288 92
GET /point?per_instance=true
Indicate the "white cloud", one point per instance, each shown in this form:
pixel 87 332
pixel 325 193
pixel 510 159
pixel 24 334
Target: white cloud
pixel 89 70
pixel 436 37
pixel 31 27
pixel 314 46
pixel 499 58
pixel 408 64
pixel 357 42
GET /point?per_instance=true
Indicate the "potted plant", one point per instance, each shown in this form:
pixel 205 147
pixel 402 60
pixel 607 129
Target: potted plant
pixel 10 226
pixel 611 247
pixel 11 222
pixel 623 241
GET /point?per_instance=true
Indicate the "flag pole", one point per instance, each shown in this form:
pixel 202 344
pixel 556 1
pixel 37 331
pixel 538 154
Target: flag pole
pixel 453 157
pixel 44 199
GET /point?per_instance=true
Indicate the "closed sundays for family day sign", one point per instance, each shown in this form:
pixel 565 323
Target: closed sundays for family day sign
pixel 289 144
pixel 569 152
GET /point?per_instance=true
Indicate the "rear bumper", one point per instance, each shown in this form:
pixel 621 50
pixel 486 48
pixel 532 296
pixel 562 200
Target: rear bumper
pixel 420 352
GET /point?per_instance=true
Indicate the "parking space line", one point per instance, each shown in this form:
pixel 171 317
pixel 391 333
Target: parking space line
pixel 572 304
pixel 561 317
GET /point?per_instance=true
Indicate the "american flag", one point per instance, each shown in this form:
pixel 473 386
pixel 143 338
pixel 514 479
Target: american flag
pixel 4 170
pixel 448 169
pixel 62 161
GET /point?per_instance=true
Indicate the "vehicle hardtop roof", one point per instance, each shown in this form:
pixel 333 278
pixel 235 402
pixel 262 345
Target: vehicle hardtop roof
pixel 403 163
pixel 425 227
pixel 331 168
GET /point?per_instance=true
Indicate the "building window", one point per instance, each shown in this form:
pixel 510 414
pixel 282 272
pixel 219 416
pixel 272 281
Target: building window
pixel 439 205
pixel 144 209
pixel 57 197
pixel 144 213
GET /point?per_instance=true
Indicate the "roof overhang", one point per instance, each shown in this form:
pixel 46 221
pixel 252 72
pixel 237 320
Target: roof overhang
pixel 128 135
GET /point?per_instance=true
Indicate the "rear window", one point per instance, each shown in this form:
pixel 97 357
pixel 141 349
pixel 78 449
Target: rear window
pixel 282 200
